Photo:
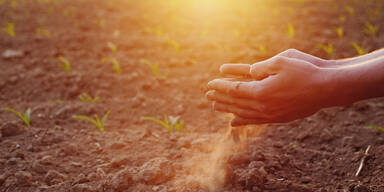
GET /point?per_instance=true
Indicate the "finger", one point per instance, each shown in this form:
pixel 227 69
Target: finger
pixel 235 69
pixel 296 54
pixel 269 67
pixel 234 88
pixel 241 112
pixel 240 102
pixel 238 121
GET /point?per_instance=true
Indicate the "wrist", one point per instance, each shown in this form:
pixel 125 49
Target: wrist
pixel 337 87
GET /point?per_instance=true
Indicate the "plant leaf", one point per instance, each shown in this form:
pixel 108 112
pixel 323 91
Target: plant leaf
pixel 105 117
pixel 173 119
pixel 381 129
pixel 82 117
pixel 162 123
pixel 179 126
pixel 19 115
pixel 100 125
pixel 27 117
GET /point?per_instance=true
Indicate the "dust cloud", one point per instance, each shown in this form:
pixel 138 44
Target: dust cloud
pixel 207 168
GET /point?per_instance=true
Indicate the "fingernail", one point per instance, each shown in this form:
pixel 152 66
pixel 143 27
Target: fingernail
pixel 209 94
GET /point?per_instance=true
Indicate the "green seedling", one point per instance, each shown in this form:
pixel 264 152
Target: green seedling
pixel 69 11
pixel 112 46
pixel 358 49
pixel 174 44
pixel 64 64
pixel 350 10
pixel 88 99
pixel 100 23
pixel 342 18
pixel 14 4
pixel 290 31
pixel 170 124
pixel 339 31
pixel 116 65
pixel 299 2
pixel 154 67
pixel 327 48
pixel 158 31
pixel 371 30
pixel 43 32
pixel 26 117
pixel 262 49
pixel 99 123
pixel 10 29
pixel 381 129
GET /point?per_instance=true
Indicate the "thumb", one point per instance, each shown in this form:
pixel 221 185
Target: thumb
pixel 269 67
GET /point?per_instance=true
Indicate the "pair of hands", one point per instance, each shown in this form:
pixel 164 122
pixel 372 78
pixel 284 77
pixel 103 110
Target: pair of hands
pixel 288 86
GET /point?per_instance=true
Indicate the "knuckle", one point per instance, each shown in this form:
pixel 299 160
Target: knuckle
pixel 292 51
pixel 289 52
pixel 278 59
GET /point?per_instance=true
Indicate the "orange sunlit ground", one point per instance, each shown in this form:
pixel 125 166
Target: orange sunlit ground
pixel 109 95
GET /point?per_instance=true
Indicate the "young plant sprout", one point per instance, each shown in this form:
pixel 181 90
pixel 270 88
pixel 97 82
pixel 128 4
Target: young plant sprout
pixel 174 44
pixel 327 48
pixel 26 117
pixel 350 10
pixel 43 32
pixel 358 49
pixel 290 31
pixel 10 29
pixel 158 31
pixel 99 123
pixel 112 46
pixel 339 31
pixel 14 4
pixel 116 65
pixel 100 23
pixel 170 124
pixel 262 49
pixel 64 64
pixel 69 11
pixel 154 67
pixel 88 99
pixel 381 129
pixel 342 18
pixel 371 30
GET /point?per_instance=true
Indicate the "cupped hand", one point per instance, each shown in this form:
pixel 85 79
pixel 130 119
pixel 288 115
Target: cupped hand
pixel 280 89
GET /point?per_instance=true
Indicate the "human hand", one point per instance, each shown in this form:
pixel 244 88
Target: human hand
pixel 280 89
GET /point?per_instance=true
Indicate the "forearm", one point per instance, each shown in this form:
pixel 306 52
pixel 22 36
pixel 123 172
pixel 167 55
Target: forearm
pixel 358 59
pixel 358 81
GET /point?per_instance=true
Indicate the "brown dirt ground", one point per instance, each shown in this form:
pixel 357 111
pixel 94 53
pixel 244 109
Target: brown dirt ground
pixel 58 153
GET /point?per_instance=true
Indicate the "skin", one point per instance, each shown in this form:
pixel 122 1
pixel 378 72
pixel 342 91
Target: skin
pixel 294 85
